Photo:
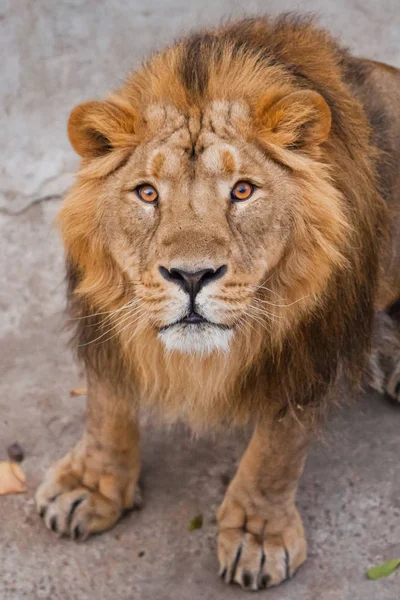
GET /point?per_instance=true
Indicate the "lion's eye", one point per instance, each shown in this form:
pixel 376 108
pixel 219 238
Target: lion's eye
pixel 147 193
pixel 243 190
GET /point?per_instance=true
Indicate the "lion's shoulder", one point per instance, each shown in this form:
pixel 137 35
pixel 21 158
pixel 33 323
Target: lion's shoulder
pixel 377 86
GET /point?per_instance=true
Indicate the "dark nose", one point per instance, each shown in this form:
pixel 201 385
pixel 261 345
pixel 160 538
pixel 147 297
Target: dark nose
pixel 192 282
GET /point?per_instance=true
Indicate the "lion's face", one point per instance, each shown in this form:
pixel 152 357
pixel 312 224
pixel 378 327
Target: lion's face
pixel 210 227
pixel 203 223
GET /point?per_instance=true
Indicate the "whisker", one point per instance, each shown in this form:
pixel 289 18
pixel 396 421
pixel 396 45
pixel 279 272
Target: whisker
pixel 243 321
pixel 282 305
pixel 258 311
pixel 263 311
pixel 134 332
pixel 257 319
pixel 247 322
pixel 262 285
pixel 131 312
pixel 127 311
pixel 132 302
pixel 120 331
pixel 239 324
pixel 115 326
pixel 258 288
pixel 107 312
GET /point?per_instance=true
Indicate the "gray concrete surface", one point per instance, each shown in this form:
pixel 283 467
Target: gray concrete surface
pixel 55 54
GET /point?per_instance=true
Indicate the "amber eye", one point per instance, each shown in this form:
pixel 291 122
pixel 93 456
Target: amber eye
pixel 147 193
pixel 243 190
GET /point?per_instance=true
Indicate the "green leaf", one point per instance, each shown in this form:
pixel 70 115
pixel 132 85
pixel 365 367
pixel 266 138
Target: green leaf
pixel 196 523
pixel 383 570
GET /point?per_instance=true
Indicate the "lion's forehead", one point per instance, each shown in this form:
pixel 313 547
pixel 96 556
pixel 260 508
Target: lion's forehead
pixel 208 137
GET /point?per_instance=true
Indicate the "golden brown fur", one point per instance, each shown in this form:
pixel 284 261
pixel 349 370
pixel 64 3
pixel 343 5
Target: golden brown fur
pixel 340 211
pixel 308 258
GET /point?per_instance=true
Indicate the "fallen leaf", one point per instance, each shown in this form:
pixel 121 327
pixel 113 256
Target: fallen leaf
pixel 12 478
pixel 15 452
pixel 383 570
pixel 196 523
pixel 81 391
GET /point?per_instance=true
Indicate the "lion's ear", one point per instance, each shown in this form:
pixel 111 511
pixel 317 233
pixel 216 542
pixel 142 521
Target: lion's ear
pixel 96 128
pixel 298 120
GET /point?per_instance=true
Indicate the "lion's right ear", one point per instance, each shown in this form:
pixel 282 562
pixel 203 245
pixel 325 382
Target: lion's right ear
pixel 96 128
pixel 300 120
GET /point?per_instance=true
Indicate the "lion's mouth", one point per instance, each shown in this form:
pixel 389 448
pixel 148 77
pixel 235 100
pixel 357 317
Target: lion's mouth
pixel 194 334
pixel 193 319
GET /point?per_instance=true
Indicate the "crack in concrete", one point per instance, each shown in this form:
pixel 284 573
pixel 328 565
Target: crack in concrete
pixel 17 213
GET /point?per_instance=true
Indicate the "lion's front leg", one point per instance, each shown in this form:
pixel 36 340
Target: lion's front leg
pixel 88 489
pixel 261 537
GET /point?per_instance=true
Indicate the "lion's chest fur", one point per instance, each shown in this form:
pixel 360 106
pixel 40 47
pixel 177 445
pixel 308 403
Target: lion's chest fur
pixel 199 390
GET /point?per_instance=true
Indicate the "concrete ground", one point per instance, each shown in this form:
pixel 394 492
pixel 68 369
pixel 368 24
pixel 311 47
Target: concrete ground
pixel 54 55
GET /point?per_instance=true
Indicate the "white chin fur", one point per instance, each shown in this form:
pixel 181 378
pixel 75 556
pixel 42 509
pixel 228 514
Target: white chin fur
pixel 196 339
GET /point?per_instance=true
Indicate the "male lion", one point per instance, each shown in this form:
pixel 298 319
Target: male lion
pixel 228 244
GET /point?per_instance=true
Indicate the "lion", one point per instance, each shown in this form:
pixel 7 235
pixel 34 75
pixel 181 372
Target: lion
pixel 229 238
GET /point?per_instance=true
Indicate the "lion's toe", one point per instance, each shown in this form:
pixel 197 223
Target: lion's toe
pixel 257 563
pixel 76 513
pixel 77 498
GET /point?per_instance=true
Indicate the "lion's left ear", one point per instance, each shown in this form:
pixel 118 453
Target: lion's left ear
pixel 96 128
pixel 299 120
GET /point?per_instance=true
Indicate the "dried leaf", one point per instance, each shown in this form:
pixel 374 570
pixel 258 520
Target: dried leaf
pixel 12 478
pixel 383 570
pixel 196 523
pixel 81 391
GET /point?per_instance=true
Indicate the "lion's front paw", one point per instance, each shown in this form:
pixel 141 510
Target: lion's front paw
pixel 257 561
pixel 81 495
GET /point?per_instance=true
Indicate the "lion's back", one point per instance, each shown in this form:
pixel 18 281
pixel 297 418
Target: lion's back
pixel 377 86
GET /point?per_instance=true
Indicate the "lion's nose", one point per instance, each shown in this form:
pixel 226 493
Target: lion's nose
pixel 192 282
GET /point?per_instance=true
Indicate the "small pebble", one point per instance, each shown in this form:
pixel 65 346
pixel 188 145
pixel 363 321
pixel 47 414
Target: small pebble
pixel 15 452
